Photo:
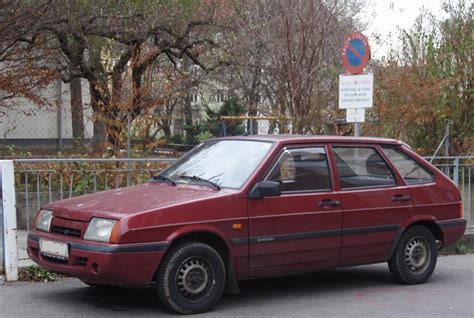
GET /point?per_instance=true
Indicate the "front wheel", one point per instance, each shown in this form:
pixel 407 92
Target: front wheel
pixel 191 278
pixel 415 258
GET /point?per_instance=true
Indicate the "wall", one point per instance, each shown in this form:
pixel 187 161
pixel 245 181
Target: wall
pixel 26 123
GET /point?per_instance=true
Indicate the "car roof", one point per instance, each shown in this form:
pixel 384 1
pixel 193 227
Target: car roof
pixel 293 139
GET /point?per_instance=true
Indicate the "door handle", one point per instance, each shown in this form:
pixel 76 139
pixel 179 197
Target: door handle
pixel 329 202
pixel 400 198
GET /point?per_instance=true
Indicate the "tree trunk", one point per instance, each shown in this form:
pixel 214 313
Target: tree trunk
pixel 188 119
pixel 100 131
pixel 115 137
pixel 166 128
pixel 77 113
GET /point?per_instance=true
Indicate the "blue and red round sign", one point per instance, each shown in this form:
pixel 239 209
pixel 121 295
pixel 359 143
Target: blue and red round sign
pixel 355 53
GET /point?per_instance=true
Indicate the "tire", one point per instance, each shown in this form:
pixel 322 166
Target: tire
pixel 414 259
pixel 191 278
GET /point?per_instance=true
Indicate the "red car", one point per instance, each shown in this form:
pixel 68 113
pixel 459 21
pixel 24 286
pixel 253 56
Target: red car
pixel 246 207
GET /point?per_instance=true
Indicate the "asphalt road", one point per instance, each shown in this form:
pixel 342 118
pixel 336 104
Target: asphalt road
pixel 363 291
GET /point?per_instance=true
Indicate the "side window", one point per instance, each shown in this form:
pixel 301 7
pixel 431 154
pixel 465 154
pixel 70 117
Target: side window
pixel 302 169
pixel 360 167
pixel 408 168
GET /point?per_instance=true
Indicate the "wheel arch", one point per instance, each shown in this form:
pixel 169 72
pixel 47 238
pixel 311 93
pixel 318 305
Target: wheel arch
pixel 206 235
pixel 427 221
pixel 212 237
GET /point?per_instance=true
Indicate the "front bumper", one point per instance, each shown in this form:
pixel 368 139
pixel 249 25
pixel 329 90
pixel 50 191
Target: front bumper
pixel 101 263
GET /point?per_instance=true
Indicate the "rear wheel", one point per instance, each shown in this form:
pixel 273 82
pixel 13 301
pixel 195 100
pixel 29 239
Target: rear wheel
pixel 415 258
pixel 191 278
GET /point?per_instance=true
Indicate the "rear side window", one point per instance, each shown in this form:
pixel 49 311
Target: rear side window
pixel 361 167
pixel 302 169
pixel 408 168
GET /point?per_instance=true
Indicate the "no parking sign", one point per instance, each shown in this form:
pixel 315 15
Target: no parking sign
pixel 355 53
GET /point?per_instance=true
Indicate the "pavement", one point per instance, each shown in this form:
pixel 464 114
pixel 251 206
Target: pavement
pixel 23 259
pixel 362 291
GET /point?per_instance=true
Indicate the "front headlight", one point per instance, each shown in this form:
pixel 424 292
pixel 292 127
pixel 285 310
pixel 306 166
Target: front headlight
pixel 99 230
pixel 43 220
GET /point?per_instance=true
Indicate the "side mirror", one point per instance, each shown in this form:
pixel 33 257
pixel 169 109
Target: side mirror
pixel 265 189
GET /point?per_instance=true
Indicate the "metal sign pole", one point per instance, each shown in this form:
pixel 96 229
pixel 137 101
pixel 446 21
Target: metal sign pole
pixel 357 129
pixel 129 148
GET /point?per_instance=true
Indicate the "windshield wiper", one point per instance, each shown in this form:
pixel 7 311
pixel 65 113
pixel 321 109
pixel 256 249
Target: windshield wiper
pixel 196 178
pixel 164 178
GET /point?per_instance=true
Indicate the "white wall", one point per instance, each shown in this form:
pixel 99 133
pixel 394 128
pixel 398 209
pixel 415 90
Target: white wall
pixel 26 120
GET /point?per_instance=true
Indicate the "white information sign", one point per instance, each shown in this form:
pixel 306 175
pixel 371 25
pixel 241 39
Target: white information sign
pixel 355 115
pixel 356 91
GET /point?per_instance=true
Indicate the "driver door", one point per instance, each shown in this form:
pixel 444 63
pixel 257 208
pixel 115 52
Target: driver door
pixel 301 228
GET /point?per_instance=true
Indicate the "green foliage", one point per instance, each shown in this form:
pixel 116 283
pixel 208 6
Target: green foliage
pixel 205 135
pixel 219 127
pixel 175 139
pixel 37 274
pixel 462 249
pixel 85 182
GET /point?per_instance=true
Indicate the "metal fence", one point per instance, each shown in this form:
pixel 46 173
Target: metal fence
pixel 460 169
pixel 40 181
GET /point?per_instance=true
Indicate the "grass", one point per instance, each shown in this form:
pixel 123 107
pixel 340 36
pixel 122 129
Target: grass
pixel 462 249
pixel 37 274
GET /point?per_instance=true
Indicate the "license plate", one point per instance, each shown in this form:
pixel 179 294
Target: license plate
pixel 54 249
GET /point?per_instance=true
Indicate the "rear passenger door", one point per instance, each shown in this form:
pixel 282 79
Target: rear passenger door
pixel 374 203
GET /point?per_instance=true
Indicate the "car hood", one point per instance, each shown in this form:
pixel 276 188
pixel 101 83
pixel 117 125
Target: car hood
pixel 123 201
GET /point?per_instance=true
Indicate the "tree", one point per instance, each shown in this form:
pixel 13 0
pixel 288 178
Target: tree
pixel 290 51
pixel 26 60
pixel 428 82
pixel 114 44
pixel 77 114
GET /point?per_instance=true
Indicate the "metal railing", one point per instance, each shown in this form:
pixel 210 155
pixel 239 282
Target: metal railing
pixel 40 181
pixel 460 169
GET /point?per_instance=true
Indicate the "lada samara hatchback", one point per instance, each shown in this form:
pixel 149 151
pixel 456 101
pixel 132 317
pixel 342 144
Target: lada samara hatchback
pixel 246 207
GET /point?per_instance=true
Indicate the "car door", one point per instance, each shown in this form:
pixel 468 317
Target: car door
pixel 374 202
pixel 301 227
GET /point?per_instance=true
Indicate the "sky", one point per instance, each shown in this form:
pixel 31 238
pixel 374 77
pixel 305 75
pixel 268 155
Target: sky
pixel 384 16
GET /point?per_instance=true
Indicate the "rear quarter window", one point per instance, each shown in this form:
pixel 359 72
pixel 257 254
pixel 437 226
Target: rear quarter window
pixel 409 169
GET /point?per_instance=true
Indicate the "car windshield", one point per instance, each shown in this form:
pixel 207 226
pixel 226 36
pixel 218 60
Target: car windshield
pixel 227 163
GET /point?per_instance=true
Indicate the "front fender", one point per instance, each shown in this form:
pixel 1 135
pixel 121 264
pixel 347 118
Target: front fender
pixel 195 228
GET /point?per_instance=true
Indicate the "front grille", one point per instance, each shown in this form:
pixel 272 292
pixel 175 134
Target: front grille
pixel 54 259
pixel 66 231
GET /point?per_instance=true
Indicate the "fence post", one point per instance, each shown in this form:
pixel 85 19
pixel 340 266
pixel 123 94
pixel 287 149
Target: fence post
pixel 129 148
pixel 9 230
pixel 456 171
pixel 446 149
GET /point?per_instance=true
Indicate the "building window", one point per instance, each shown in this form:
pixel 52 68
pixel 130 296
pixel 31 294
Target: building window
pixel 220 96
pixel 194 96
